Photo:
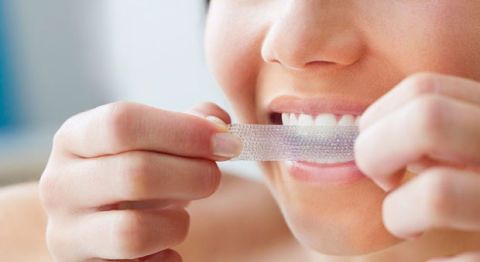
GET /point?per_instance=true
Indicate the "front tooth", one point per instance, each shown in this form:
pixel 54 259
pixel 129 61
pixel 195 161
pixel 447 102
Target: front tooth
pixel 285 118
pixel 357 121
pixel 292 121
pixel 325 120
pixel 347 120
pixel 305 120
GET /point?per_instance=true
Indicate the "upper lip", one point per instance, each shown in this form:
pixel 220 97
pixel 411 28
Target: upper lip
pixel 317 105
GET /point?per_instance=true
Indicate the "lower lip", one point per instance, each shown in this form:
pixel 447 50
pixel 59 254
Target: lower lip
pixel 333 174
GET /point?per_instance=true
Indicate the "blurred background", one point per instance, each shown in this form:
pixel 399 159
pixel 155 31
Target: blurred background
pixel 58 58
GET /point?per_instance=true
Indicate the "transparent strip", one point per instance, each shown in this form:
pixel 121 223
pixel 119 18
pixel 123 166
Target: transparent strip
pixel 323 144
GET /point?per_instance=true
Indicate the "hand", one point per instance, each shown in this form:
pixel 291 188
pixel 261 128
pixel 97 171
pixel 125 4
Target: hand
pixel 120 175
pixel 429 124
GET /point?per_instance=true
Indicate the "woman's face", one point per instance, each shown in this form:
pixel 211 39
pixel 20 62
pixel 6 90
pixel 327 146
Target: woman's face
pixel 332 59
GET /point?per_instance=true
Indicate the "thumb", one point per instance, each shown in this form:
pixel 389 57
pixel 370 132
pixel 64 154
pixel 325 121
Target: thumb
pixel 211 112
pixel 229 143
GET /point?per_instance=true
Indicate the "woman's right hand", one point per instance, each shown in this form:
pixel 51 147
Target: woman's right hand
pixel 119 178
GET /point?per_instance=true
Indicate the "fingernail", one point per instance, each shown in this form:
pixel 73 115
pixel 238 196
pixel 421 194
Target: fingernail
pixel 414 169
pixel 415 236
pixel 219 122
pixel 385 186
pixel 226 145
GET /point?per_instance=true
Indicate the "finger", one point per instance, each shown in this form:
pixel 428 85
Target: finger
pixel 466 257
pixel 131 176
pixel 168 255
pixel 422 164
pixel 419 85
pixel 437 198
pixel 431 126
pixel 425 163
pixel 211 112
pixel 129 234
pixel 122 127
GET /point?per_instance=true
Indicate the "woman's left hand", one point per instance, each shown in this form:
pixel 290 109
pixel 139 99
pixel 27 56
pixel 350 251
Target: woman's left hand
pixel 429 123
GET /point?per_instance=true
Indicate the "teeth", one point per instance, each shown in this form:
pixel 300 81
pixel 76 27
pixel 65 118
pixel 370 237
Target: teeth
pixel 326 120
pixel 357 121
pixel 292 120
pixel 285 119
pixel 347 120
pixel 323 119
pixel 305 120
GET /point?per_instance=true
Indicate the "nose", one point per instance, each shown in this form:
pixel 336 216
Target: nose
pixel 313 34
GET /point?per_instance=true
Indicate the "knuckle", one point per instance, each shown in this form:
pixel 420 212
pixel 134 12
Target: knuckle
pixel 134 175
pixel 129 240
pixel 421 83
pixel 48 190
pixel 179 224
pixel 210 108
pixel 53 238
pixel 427 114
pixel 211 178
pixel 437 202
pixel 59 137
pixel 62 135
pixel 119 117
pixel 132 234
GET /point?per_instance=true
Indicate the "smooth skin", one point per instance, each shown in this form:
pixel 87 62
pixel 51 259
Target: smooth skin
pixel 128 181
pixel 430 123
pixel 120 176
pixel 415 63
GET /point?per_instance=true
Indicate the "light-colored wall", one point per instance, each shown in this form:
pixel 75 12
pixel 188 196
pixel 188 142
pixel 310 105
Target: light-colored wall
pixel 156 57
pixel 156 53
pixel 57 45
pixel 74 55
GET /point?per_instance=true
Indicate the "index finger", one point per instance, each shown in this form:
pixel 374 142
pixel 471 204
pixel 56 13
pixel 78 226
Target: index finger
pixel 421 84
pixel 122 127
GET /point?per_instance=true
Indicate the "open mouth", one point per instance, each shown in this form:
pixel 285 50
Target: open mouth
pixel 327 138
pixel 336 168
pixel 324 119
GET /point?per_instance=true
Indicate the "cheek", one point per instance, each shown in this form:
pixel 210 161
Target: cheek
pixel 425 36
pixel 457 38
pixel 234 60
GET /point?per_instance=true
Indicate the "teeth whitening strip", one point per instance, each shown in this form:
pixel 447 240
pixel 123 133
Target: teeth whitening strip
pixel 322 144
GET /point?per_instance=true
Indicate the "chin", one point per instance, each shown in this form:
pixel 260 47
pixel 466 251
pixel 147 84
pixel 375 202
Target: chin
pixel 339 219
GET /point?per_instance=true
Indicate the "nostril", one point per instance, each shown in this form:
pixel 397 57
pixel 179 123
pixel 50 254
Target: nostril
pixel 320 64
pixel 272 61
